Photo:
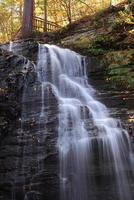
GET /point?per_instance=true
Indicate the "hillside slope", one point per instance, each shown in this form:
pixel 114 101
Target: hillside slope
pixel 109 36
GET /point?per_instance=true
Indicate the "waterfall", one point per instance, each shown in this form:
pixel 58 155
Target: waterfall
pixel 11 46
pixel 88 137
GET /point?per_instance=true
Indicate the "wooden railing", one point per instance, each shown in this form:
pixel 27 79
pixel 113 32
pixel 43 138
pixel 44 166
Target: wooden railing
pixel 39 25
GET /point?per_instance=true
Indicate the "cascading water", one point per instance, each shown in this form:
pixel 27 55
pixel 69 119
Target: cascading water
pixel 88 137
pixel 10 46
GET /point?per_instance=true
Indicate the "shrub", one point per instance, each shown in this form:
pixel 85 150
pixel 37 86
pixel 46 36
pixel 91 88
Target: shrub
pixel 102 41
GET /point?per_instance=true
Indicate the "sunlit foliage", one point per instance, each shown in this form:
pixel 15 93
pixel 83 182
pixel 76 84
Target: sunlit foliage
pixel 61 12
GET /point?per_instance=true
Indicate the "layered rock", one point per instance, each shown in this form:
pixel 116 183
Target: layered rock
pixel 28 153
pixel 29 161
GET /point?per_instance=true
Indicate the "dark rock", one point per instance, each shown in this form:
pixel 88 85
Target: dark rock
pixel 29 160
pixel 28 154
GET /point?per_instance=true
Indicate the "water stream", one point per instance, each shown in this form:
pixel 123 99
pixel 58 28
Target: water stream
pixel 88 139
pixel 95 157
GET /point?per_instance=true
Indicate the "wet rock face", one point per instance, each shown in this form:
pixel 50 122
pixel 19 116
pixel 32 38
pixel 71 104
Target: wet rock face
pixel 118 99
pixel 27 48
pixel 28 152
pixel 29 163
pixel 13 71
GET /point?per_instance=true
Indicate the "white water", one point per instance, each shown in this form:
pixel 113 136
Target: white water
pixel 65 72
pixel 11 46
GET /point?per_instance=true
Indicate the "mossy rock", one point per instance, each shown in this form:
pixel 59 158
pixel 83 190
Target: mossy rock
pixel 79 43
pixel 83 42
pixel 118 58
pixel 120 68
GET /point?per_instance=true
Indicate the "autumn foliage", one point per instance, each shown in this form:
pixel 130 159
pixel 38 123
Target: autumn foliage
pixel 61 12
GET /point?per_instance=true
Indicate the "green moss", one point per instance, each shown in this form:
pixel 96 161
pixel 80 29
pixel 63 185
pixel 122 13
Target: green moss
pixel 102 41
pixel 82 42
pixel 118 58
pixel 120 66
pixel 122 81
pixel 100 45
pixel 77 42
pixel 96 52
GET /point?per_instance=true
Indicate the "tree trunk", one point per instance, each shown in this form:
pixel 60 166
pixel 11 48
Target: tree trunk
pixel 27 24
pixel 69 12
pixel 45 15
